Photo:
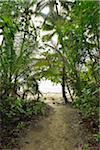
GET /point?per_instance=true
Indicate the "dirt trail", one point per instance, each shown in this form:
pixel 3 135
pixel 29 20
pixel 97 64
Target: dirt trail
pixel 59 131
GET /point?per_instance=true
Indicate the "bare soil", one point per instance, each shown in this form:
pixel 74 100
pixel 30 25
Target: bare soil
pixel 61 130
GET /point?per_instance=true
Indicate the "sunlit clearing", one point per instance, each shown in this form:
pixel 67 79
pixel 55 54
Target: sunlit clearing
pixel 46 86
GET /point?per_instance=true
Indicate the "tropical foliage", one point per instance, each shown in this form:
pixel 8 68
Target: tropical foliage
pixel 72 51
pixel 18 40
pixel 63 48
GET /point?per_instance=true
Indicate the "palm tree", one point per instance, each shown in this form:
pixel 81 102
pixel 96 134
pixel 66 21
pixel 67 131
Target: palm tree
pixel 17 49
pixel 55 22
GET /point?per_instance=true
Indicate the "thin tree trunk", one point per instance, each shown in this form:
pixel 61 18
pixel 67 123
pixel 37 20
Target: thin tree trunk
pixel 63 85
pixel 69 91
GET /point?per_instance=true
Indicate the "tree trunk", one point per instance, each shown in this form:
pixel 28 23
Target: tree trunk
pixel 63 85
pixel 69 91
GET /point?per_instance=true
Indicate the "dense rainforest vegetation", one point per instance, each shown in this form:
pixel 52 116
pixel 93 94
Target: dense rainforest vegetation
pixel 52 39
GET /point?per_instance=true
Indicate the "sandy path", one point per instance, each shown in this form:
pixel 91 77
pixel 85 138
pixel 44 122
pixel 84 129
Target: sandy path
pixel 59 131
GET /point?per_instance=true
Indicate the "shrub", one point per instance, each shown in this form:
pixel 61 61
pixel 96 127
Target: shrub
pixel 12 109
